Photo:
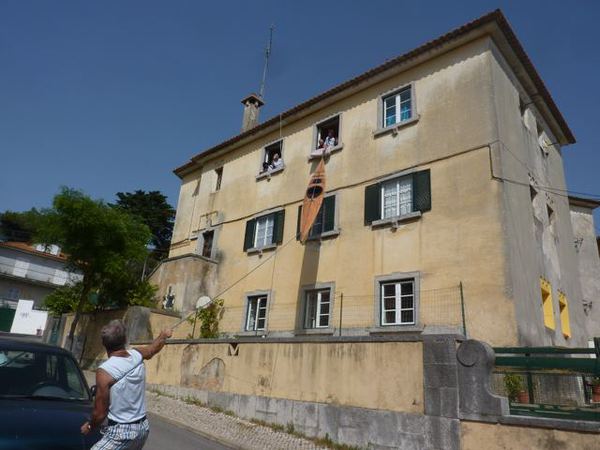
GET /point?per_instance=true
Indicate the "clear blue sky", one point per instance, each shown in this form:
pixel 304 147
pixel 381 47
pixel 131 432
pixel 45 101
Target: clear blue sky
pixel 111 95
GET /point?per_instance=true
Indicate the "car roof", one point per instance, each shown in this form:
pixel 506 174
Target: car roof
pixel 27 344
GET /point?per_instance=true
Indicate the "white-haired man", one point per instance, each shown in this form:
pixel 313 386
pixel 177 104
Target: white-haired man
pixel 121 389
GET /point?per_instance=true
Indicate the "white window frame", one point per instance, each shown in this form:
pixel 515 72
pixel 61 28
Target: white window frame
pixel 397 181
pixel 266 218
pixel 256 304
pixel 398 296
pixel 316 322
pixel 396 95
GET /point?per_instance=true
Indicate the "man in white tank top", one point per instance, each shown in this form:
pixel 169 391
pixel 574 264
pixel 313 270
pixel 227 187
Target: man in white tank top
pixel 120 390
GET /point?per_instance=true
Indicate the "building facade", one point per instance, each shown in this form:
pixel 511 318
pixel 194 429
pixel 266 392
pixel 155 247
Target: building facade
pixel 441 211
pixel 29 272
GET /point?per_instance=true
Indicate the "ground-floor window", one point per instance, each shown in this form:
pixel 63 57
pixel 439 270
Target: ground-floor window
pixel 317 308
pixel 398 302
pixel 256 314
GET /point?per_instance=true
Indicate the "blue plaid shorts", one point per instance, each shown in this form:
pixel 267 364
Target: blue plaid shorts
pixel 125 436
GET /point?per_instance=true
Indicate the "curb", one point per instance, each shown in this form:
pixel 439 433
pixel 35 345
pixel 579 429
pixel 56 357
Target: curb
pixel 222 441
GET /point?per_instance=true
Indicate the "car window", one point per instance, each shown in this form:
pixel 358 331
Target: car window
pixel 40 374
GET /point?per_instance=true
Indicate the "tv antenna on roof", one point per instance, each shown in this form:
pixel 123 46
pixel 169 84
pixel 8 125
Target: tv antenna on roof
pixel 261 93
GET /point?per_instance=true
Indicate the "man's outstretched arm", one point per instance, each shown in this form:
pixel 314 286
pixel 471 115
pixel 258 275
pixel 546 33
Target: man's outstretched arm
pixel 148 351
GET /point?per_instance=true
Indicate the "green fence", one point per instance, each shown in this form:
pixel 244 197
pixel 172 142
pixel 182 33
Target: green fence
pixel 550 381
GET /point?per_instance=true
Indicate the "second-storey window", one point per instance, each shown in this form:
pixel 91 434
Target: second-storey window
pixel 325 220
pixel 397 107
pixel 398 302
pixel 264 231
pixel 398 197
pixel 256 313
pixel 317 309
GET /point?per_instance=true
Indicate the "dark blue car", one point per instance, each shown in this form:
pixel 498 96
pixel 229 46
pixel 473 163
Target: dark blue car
pixel 44 398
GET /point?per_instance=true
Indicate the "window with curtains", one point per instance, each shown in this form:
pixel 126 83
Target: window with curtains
pixel 317 308
pixel 397 107
pixel 398 197
pixel 256 313
pixel 264 231
pixel 398 302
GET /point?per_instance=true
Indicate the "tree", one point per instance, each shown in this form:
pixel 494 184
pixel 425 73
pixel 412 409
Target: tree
pixel 19 226
pixel 152 209
pixel 99 241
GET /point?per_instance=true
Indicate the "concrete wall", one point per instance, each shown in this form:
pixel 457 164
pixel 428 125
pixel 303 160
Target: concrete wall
pixel 511 437
pixel 588 264
pixel 378 375
pixel 187 277
pixel 535 244
pixel 460 239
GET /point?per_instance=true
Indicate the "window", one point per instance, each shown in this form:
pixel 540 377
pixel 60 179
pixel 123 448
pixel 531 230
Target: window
pixel 397 197
pixel 219 173
pixel 398 302
pixel 397 107
pixel 256 313
pixel 547 306
pixel 328 134
pixel 207 243
pixel 317 310
pixel 550 212
pixel 563 306
pixel 13 293
pixel 273 157
pixel 264 231
pixel 325 220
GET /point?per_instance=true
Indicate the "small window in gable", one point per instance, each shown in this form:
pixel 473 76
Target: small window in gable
pixel 207 243
pixel 219 172
pixel 397 107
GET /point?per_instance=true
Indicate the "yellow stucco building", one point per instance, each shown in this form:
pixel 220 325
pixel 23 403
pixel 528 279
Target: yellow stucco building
pixel 438 163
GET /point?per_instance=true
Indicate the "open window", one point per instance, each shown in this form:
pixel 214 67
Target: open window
pixel 272 161
pixel 219 173
pixel 327 136
pixel 207 243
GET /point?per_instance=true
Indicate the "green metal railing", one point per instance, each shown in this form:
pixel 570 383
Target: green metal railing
pixel 558 380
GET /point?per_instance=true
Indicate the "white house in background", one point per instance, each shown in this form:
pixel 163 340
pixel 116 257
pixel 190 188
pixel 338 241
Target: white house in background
pixel 29 272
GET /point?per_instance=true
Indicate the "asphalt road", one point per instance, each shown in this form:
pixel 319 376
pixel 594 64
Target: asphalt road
pixel 164 435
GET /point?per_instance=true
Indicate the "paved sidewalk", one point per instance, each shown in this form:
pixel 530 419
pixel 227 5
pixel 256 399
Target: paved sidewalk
pixel 228 430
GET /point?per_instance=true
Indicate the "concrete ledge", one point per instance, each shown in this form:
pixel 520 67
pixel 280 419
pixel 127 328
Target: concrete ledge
pixel 393 337
pixel 541 422
pixel 366 428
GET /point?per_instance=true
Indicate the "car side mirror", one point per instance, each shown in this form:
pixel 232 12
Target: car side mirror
pixel 93 390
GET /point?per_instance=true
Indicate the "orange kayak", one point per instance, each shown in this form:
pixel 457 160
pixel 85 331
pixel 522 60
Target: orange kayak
pixel 313 199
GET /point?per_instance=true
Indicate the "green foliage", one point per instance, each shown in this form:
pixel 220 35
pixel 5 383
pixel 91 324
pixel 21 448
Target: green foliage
pixel 97 239
pixel 65 299
pixel 209 318
pixel 152 209
pixel 19 226
pixel 513 384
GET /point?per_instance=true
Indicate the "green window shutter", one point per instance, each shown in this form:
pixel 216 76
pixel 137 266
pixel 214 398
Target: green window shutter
pixel 298 222
pixel 328 208
pixel 372 203
pixel 249 236
pixel 278 226
pixel 422 191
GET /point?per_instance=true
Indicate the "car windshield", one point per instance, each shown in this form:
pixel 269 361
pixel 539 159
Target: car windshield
pixel 39 374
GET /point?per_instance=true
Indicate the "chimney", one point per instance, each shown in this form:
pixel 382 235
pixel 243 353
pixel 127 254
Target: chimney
pixel 252 103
